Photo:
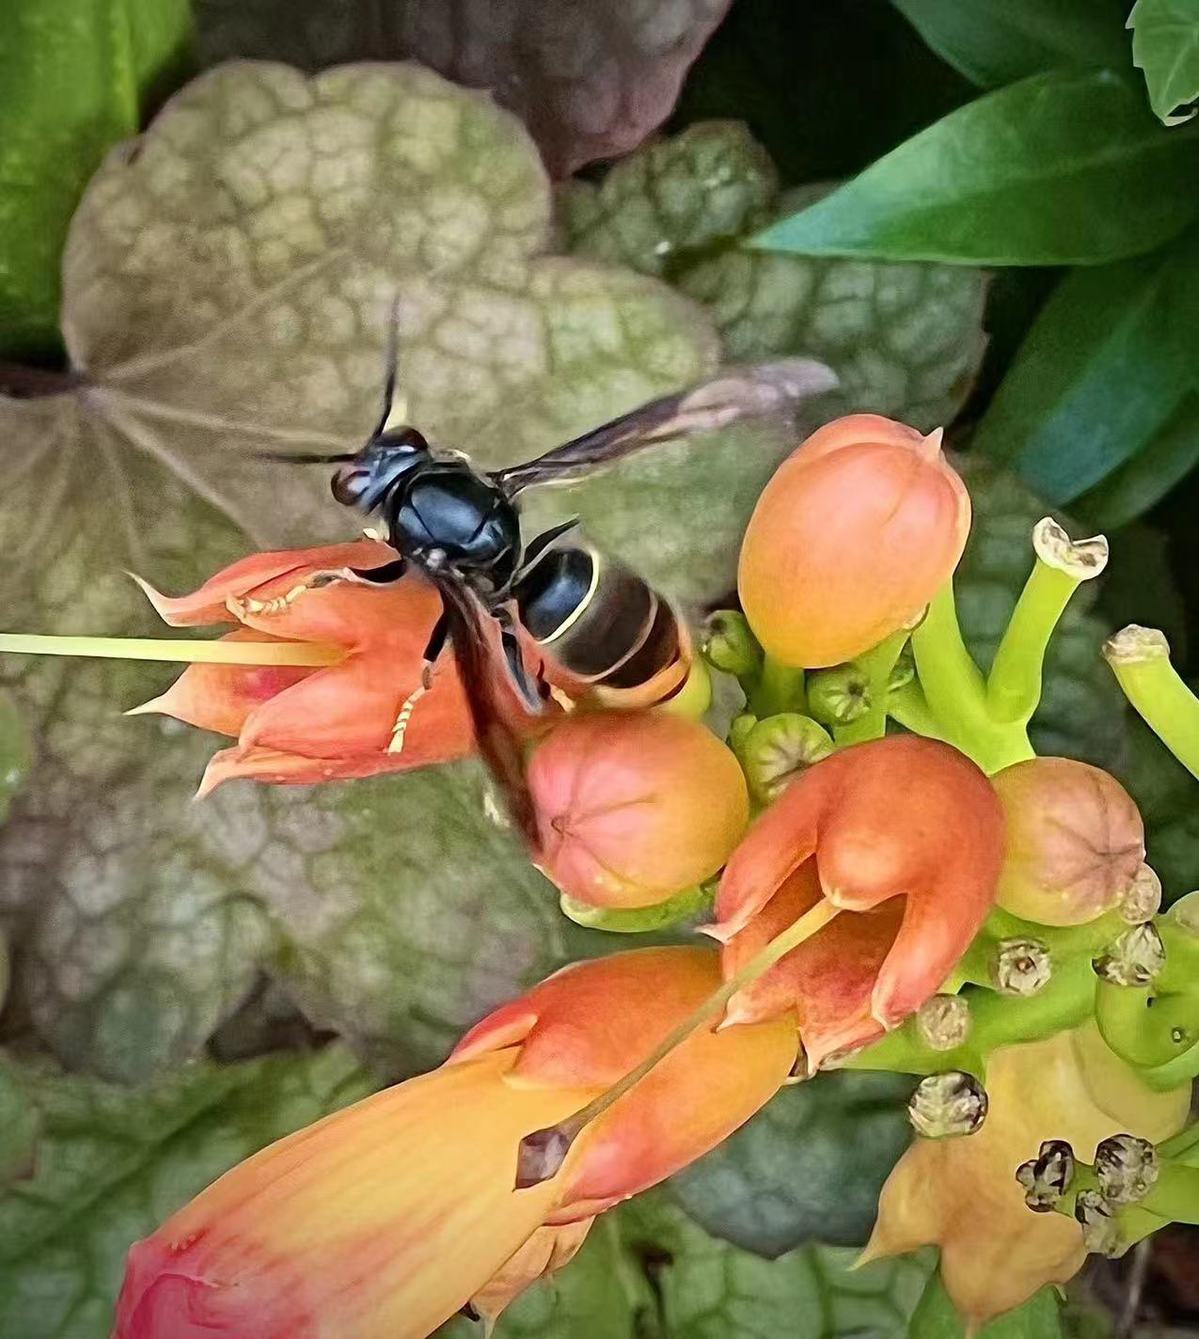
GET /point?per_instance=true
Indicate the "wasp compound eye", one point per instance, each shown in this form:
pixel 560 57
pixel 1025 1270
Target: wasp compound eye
pixel 1047 1177
pixel 348 484
pixel 948 1105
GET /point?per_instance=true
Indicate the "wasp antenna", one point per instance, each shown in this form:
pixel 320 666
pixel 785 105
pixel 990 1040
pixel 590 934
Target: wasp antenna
pixel 391 366
pixel 296 458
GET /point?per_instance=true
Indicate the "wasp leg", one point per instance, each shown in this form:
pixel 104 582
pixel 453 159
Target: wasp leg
pixel 385 575
pixel 531 688
pixel 433 650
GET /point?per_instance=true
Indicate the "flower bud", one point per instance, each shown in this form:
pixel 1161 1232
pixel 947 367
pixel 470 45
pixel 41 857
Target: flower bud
pixel 839 696
pixel 943 1022
pixel 1047 1177
pixel 740 730
pixel 948 1105
pixel 1142 899
pixel 1075 841
pixel 778 749
pixel 1134 959
pixel 729 645
pixel 1100 1231
pixel 1022 967
pixel 903 671
pixel 1126 1167
pixel 634 807
pixel 853 536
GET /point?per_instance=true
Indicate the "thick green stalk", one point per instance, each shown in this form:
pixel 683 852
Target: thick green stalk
pixel 1140 659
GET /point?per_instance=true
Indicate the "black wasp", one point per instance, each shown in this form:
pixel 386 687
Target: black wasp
pixel 597 620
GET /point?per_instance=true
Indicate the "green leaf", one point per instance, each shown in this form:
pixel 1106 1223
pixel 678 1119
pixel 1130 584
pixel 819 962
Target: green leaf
pixel 1105 366
pixel 995 44
pixel 1066 167
pixel 76 76
pixel 1134 487
pixel 394 909
pixel 808 1167
pixel 905 340
pixel 1082 712
pixel 1165 44
pixel 112 1163
pixel 935 1317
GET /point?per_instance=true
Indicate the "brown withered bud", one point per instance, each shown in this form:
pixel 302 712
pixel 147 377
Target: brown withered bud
pixel 1047 1177
pixel 1075 840
pixel 943 1022
pixel 1021 967
pixel 1142 899
pixel 1126 1167
pixel 541 1155
pixel 1134 959
pixel 948 1105
pixel 1100 1231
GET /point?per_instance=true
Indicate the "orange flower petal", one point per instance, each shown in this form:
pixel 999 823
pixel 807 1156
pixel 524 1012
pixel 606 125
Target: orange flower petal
pixel 220 697
pixel 293 769
pixel 208 603
pixel 546 1251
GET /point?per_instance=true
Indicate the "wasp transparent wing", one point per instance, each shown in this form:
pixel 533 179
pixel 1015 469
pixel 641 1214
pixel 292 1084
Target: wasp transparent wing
pixel 756 390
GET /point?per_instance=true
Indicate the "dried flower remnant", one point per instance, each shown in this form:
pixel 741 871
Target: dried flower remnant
pixel 948 1105
pixel 1022 967
pixel 1134 959
pixel 1126 1168
pixel 1047 1177
pixel 943 1022
pixel 853 536
pixel 1100 1230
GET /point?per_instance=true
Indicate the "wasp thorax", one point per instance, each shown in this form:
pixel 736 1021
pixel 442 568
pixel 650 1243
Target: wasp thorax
pixel 948 1105
pixel 1134 959
pixel 1126 1167
pixel 1142 899
pixel 1100 1231
pixel 1021 967
pixel 1047 1177
pixel 943 1022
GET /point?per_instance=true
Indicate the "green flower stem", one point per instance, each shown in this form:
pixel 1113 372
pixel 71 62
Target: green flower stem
pixel 1014 685
pixel 877 665
pixel 1183 1146
pixel 1140 659
pixel 910 708
pixel 1145 1029
pixel 957 694
pixel 995 1020
pixel 638 920
pixel 1175 1193
pixel 1174 1073
pixel 188 650
pixel 778 688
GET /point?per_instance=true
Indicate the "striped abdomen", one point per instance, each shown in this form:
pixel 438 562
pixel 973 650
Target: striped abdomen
pixel 602 624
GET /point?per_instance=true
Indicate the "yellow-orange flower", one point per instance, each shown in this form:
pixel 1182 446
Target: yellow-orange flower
pixel 962 1194
pixel 383 1220
pixel 854 535
pixel 634 807
pixel 1074 840
pixel 903 837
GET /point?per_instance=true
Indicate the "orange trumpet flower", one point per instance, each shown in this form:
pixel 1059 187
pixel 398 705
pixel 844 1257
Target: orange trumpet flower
pixel 893 848
pixel 857 531
pixel 383 1220
pixel 303 724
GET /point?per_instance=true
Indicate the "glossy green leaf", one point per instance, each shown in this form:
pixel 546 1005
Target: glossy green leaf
pixel 1066 167
pixel 997 43
pixel 1137 485
pixel 809 1167
pixel 905 340
pixel 112 1163
pixel 1165 44
pixel 935 1318
pixel 76 76
pixel 1104 368
pixel 394 909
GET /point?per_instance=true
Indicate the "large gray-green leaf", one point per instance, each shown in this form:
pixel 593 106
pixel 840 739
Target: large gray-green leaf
pixel 112 1164
pixel 75 77
pixel 995 44
pixel 1165 44
pixel 590 78
pixel 809 1167
pixel 1066 167
pixel 906 340
pixel 935 1317
pixel 1106 364
pixel 226 290
pixel 1082 713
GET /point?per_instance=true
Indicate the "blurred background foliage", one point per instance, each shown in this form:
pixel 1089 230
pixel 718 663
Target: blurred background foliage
pixel 981 213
